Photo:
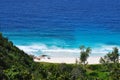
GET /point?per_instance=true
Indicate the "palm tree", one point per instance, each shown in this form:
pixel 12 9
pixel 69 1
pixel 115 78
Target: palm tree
pixel 84 54
pixel 115 55
pixel 112 57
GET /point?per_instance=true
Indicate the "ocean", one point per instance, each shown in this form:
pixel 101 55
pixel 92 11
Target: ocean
pixel 60 27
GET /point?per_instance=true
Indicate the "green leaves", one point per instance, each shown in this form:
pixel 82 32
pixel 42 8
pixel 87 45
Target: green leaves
pixel 18 73
pixel 84 54
pixel 111 64
pixel 14 63
pixel 17 65
pixel 111 57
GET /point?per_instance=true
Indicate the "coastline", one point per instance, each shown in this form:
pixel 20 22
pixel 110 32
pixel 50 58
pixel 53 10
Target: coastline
pixel 67 60
pixel 60 55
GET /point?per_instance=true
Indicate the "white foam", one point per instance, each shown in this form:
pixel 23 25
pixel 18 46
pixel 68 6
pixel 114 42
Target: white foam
pixel 51 51
pixel 54 51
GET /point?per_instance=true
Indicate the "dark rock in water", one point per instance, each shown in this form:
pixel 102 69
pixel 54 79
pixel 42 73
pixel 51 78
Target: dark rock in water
pixel 44 55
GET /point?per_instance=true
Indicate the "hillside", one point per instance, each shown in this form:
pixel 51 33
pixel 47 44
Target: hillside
pixel 15 64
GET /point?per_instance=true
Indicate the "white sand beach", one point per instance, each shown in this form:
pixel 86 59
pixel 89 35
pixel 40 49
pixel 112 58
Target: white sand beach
pixel 67 60
pixel 64 55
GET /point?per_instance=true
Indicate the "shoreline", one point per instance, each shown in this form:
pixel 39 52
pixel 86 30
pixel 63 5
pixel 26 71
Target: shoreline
pixel 67 60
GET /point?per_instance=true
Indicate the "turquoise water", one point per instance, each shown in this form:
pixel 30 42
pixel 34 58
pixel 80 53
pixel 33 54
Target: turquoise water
pixel 39 26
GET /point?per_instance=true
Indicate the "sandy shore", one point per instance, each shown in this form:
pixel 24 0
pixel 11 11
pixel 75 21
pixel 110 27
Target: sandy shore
pixel 67 60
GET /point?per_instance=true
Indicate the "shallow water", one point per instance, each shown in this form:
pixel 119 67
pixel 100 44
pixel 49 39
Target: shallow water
pixel 63 25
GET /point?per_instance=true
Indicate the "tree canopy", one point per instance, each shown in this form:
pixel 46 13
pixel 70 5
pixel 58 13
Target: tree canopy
pixel 84 54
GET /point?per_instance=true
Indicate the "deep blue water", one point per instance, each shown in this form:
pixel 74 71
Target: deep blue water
pixel 61 23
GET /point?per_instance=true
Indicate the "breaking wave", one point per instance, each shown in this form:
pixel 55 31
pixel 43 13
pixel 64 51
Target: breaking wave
pixel 54 51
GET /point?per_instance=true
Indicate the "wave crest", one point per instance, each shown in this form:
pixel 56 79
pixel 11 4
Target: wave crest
pixel 54 51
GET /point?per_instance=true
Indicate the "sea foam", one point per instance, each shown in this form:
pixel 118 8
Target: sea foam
pixel 54 51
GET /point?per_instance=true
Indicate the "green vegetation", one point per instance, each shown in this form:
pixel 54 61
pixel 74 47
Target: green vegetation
pixel 84 54
pixel 14 63
pixel 111 57
pixel 111 64
pixel 17 65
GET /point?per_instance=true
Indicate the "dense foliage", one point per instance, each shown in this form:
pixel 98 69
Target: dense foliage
pixel 17 65
pixel 111 63
pixel 14 63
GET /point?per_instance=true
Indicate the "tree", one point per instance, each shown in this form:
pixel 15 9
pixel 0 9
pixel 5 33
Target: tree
pixel 78 73
pixel 84 54
pixel 115 74
pixel 114 57
pixel 111 57
pixel 111 62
